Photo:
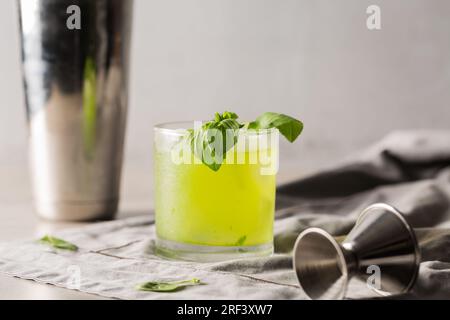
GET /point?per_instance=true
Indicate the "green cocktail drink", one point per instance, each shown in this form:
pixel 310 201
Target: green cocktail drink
pixel 230 209
pixel 208 215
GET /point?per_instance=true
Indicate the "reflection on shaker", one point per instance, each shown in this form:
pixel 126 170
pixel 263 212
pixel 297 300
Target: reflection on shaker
pixel 89 108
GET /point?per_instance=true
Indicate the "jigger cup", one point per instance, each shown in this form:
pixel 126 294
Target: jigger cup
pixel 381 240
pixel 76 89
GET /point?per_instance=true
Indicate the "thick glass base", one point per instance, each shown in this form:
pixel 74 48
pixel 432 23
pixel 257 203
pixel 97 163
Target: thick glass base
pixel 201 253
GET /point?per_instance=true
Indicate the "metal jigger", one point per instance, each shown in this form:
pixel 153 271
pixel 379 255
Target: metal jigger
pixel 381 239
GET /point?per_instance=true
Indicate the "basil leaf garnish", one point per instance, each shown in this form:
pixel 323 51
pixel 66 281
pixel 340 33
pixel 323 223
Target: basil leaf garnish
pixel 289 127
pixel 215 138
pixel 58 243
pixel 172 286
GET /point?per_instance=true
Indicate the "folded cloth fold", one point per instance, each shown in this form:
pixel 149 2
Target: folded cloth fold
pixel 409 170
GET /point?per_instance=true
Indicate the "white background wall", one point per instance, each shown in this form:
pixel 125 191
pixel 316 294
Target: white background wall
pixel 314 59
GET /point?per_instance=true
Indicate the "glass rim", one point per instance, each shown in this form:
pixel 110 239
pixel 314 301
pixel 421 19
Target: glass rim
pixel 164 128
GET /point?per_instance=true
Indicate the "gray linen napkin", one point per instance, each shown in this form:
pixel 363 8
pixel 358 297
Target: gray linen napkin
pixel 410 170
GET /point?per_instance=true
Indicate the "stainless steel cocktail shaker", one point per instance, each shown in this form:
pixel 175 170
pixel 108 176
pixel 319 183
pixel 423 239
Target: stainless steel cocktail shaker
pixel 75 61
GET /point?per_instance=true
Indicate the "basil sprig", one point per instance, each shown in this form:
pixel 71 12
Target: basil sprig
pixel 225 128
pixel 203 141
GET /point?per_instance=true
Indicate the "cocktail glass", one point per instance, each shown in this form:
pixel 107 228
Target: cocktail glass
pixel 206 215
